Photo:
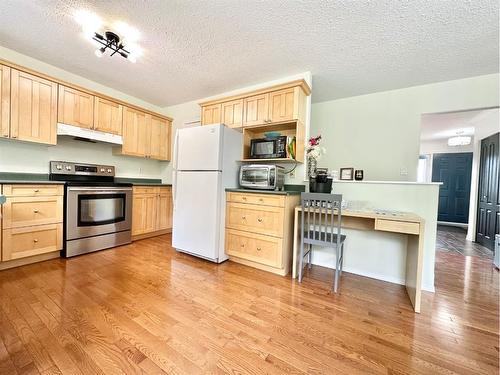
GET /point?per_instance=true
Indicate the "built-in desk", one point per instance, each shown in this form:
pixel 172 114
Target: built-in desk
pixel 404 223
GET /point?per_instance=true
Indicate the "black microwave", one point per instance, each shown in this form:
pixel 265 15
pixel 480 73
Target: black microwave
pixel 268 148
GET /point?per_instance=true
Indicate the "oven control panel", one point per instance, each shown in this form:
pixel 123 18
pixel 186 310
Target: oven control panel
pixel 69 168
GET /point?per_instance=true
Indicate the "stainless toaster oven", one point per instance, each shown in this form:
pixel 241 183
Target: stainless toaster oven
pixel 262 176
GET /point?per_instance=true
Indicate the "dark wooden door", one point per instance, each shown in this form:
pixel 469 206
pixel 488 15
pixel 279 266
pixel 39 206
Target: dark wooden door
pixel 488 210
pixel 454 171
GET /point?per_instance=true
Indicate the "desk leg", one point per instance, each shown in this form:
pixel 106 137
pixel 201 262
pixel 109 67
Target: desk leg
pixel 295 243
pixel 414 265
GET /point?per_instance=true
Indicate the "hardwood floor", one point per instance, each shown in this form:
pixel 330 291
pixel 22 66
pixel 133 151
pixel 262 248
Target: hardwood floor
pixel 454 239
pixel 145 308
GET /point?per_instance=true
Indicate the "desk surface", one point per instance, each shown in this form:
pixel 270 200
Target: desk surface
pixel 377 214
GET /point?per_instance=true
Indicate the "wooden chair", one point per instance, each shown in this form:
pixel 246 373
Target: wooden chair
pixel 321 223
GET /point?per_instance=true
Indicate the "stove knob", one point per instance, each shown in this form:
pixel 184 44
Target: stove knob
pixel 110 170
pixel 102 170
pixel 58 167
pixel 68 167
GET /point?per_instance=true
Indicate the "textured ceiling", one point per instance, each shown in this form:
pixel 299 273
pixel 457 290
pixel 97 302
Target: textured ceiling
pixel 445 125
pixel 194 49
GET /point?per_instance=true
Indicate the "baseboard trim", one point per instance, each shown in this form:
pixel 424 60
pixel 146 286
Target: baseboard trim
pixel 151 234
pixel 450 224
pixel 377 276
pixel 29 260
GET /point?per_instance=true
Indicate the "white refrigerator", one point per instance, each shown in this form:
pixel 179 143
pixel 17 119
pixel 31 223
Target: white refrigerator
pixel 206 161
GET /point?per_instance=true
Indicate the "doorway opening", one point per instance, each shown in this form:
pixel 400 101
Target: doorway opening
pixel 460 150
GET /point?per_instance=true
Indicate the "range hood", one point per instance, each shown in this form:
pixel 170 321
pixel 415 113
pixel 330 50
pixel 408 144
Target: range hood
pixel 87 134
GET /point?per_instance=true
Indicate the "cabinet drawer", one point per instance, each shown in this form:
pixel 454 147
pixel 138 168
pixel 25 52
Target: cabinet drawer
pixel 165 190
pixel 256 248
pixel 262 199
pixel 21 190
pixel 27 211
pixel 397 226
pixel 29 241
pixel 146 189
pixel 255 218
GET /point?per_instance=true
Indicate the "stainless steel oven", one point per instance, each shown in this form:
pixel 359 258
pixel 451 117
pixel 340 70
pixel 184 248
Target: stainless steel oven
pixel 98 211
pixel 93 211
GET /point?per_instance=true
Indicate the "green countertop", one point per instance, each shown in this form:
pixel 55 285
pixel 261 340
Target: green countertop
pixel 36 178
pixel 141 181
pixel 275 192
pixel 26 178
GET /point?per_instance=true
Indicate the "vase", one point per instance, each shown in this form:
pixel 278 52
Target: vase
pixel 312 164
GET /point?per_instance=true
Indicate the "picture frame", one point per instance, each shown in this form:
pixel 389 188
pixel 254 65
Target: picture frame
pixel 347 174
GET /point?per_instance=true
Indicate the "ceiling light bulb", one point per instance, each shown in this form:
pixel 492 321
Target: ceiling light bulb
pixel 89 21
pixel 99 52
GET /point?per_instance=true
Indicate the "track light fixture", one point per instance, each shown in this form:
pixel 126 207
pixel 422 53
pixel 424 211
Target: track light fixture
pixel 111 41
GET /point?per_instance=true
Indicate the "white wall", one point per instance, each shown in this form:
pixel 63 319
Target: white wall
pixel 379 254
pixel 380 133
pixel 28 157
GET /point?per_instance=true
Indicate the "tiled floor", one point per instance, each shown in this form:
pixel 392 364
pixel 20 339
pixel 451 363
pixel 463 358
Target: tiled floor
pixel 452 239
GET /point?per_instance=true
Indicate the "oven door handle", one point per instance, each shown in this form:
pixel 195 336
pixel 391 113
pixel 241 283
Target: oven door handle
pixel 99 189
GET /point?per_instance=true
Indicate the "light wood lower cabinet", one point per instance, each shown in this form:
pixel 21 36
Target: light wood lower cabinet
pixel 259 230
pixel 151 211
pixel 32 222
pixel 28 241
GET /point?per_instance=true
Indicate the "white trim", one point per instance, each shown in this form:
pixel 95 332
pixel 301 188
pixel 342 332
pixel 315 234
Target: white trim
pixel 377 276
pixel 387 182
pixel 451 224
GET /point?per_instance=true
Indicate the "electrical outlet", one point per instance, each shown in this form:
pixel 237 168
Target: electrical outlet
pixel 292 174
pixel 140 170
pixel 403 171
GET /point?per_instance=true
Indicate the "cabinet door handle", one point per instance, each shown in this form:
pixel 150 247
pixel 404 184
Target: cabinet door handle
pixel 261 199
pixel 243 218
pixel 6 136
pixel 14 136
pixel 35 211
pixel 259 220
pixel 37 190
pixel 242 245
pixel 259 249
pixel 35 240
pixel 244 198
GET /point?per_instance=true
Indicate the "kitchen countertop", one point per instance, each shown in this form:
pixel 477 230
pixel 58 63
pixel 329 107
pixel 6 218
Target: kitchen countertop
pixel 41 178
pixel 141 181
pixel 275 192
pixel 26 178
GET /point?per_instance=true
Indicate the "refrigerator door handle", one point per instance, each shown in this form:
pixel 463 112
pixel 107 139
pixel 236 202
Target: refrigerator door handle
pixel 176 150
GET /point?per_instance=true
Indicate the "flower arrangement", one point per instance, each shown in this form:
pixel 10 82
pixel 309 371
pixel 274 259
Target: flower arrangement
pixel 314 150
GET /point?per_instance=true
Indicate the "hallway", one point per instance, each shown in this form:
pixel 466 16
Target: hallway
pixel 452 239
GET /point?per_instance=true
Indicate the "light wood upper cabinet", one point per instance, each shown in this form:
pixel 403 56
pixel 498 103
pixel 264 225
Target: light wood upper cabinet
pixel 160 139
pixel 136 132
pixel 108 116
pixel 5 101
pixel 256 110
pixel 281 105
pixel 75 108
pixel 232 113
pixel 33 108
pixel 145 135
pixel 211 114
